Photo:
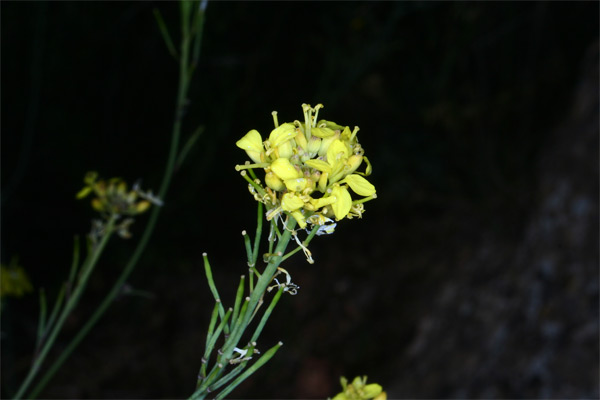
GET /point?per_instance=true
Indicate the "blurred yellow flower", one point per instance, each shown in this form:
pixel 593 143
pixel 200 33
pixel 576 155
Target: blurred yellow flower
pixel 359 390
pixel 13 280
pixel 113 198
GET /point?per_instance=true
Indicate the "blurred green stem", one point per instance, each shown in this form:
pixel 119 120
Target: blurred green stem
pixel 191 36
pixel 86 271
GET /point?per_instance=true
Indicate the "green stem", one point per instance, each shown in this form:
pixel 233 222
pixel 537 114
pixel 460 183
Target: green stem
pixel 184 80
pixel 86 271
pixel 252 305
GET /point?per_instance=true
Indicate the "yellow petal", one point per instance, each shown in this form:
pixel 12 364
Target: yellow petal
pixel 83 192
pixel 252 143
pixel 337 172
pixel 299 217
pixel 97 205
pixel 353 163
pixel 284 150
pixel 319 165
pixel 291 202
pixel 274 182
pixel 343 203
pixel 323 181
pixel 322 132
pixel 337 151
pixel 369 167
pixel 322 202
pixel 301 140
pixel 325 143
pixel 371 390
pixel 346 134
pixel 381 396
pixel 142 206
pixel 282 134
pixel 360 185
pixel 296 184
pixel 283 168
pixel 314 144
pixel 330 125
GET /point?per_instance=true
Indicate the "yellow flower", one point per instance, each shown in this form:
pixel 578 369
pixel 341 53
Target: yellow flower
pixel 113 198
pixel 309 168
pixel 359 390
pixel 13 280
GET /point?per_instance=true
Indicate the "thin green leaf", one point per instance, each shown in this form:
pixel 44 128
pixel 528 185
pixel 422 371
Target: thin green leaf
pixel 42 320
pixel 188 146
pixel 238 299
pixel 259 221
pixel 75 262
pixel 266 316
pixel 165 33
pixel 211 344
pixel 213 287
pixel 55 310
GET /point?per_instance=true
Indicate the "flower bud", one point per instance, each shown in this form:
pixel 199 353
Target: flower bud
pixel 284 169
pixel 314 144
pixel 301 140
pixel 296 185
pixel 325 144
pixel 274 182
pixel 284 150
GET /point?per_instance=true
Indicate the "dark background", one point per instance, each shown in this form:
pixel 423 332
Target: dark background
pixel 473 275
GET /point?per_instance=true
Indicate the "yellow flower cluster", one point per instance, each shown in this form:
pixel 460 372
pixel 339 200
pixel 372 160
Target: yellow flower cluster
pixel 112 197
pixel 359 390
pixel 309 167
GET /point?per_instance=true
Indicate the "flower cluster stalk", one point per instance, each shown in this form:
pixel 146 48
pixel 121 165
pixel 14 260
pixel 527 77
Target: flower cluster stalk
pixel 242 316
